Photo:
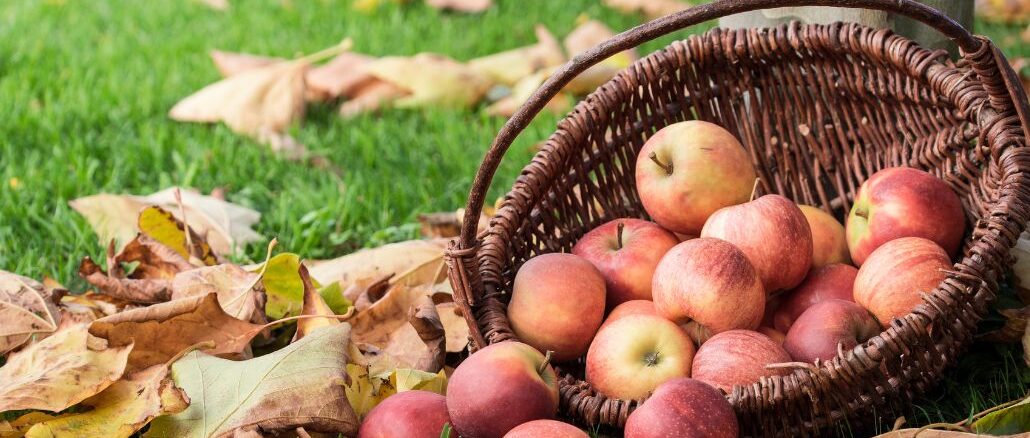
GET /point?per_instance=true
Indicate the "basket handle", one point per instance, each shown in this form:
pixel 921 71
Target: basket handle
pixel 680 20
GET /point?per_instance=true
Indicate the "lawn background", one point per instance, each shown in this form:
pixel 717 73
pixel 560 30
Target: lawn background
pixel 85 86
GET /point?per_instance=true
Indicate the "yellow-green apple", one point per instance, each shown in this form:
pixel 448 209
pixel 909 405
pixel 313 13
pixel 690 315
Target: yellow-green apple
pixel 546 429
pixel 626 251
pixel 904 202
pixel 632 307
pixel 416 414
pixel 817 332
pixel 683 407
pixel 711 282
pixel 773 334
pixel 773 233
pixel 500 387
pixel 829 242
pixel 557 304
pixel 890 282
pixel 737 357
pixel 834 281
pixel 688 170
pixel 635 353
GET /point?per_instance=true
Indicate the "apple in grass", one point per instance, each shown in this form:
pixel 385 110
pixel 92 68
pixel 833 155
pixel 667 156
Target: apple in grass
pixel 892 280
pixel 500 387
pixel 626 252
pixel 683 407
pixel 546 428
pixel 835 281
pixel 737 357
pixel 710 282
pixel 829 241
pixel 904 202
pixel 557 304
pixel 773 233
pixel 688 170
pixel 819 331
pixel 415 414
pixel 634 354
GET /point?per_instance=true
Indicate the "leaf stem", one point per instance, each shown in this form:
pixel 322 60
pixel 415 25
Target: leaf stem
pixel 330 52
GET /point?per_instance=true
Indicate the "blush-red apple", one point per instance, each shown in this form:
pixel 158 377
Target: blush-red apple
pixel 737 357
pixel 892 280
pixel 685 408
pixel 904 202
pixel 834 281
pixel 819 330
pixel 546 428
pixel 829 242
pixel 500 387
pixel 688 170
pixel 635 353
pixel 415 414
pixel 773 233
pixel 626 251
pixel 557 304
pixel 634 307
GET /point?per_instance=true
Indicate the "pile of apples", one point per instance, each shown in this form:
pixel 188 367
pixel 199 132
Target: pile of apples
pixel 651 311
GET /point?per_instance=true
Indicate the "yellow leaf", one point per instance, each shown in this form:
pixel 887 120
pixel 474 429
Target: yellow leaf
pixel 432 79
pixel 364 392
pixel 510 66
pixel 162 226
pixel 404 379
pixel 313 305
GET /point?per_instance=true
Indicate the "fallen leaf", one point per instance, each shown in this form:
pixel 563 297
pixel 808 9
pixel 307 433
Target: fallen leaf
pixel 313 305
pixel 521 92
pixel 301 385
pixel 1009 420
pixel 99 305
pixel 590 34
pixel 454 325
pixel 60 371
pixel 16 428
pixel 1005 11
pixel 150 259
pixel 27 311
pixel 1014 328
pixel 404 330
pixel 404 379
pixel 461 5
pixel 510 66
pixel 129 289
pixel 283 285
pixel 231 63
pixel 365 390
pixel 239 292
pixel 370 98
pixel 650 8
pixel 392 258
pixel 432 80
pixel 161 331
pixel 341 76
pixel 121 409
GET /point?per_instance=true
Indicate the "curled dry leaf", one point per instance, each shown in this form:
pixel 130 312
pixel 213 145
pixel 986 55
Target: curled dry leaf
pixel 60 371
pixel 454 325
pixel 161 331
pixel 585 37
pixel 521 93
pixel 432 80
pixel 313 305
pixel 301 385
pixel 461 5
pixel 231 63
pixel 650 8
pixel 239 292
pixel 27 310
pixel 129 289
pixel 371 97
pixel 394 258
pixel 17 427
pixel 120 410
pixel 510 66
pixel 343 75
pixel 1014 328
pixel 402 329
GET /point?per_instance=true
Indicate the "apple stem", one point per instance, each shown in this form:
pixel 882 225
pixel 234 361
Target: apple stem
pixel 618 234
pixel 754 189
pixel 667 167
pixel 651 359
pixel 547 361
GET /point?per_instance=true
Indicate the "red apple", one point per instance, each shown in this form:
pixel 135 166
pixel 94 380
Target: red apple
pixel 817 332
pixel 711 282
pixel 557 304
pixel 500 387
pixel 626 251
pixel 635 353
pixel 892 279
pixel 415 414
pixel 634 307
pixel 829 242
pixel 773 233
pixel 737 357
pixel 834 281
pixel 546 429
pixel 688 170
pixel 686 408
pixel 904 202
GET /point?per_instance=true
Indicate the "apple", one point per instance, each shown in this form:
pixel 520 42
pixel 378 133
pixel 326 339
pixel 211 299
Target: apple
pixel 711 282
pixel 500 387
pixel 817 332
pixel 688 170
pixel 626 251
pixel 773 233
pixel 904 202
pixel 773 334
pixel 683 407
pixel 890 282
pixel 557 304
pixel 416 414
pixel 546 428
pixel 635 353
pixel 835 281
pixel 684 237
pixel 829 242
pixel 737 357
pixel 633 307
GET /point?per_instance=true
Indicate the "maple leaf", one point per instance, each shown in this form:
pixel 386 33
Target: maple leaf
pixel 27 310
pixel 510 66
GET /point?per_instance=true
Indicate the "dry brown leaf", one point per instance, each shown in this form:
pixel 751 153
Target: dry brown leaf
pixel 231 63
pixel 510 66
pixel 1014 328
pixel 1005 11
pixel 129 289
pixel 343 75
pixel 60 371
pixel 27 311
pixel 432 80
pixel 394 258
pixel 454 326
pixel 163 330
pixel 461 5
pixel 313 305
pixel 371 97
pixel 401 330
pixel 590 34
pixel 239 292
pixel 650 8
pixel 365 291
pixel 521 93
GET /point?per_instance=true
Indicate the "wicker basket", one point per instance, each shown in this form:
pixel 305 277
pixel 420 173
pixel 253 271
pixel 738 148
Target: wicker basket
pixel 820 108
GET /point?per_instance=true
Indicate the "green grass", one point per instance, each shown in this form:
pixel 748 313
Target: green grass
pixel 85 86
